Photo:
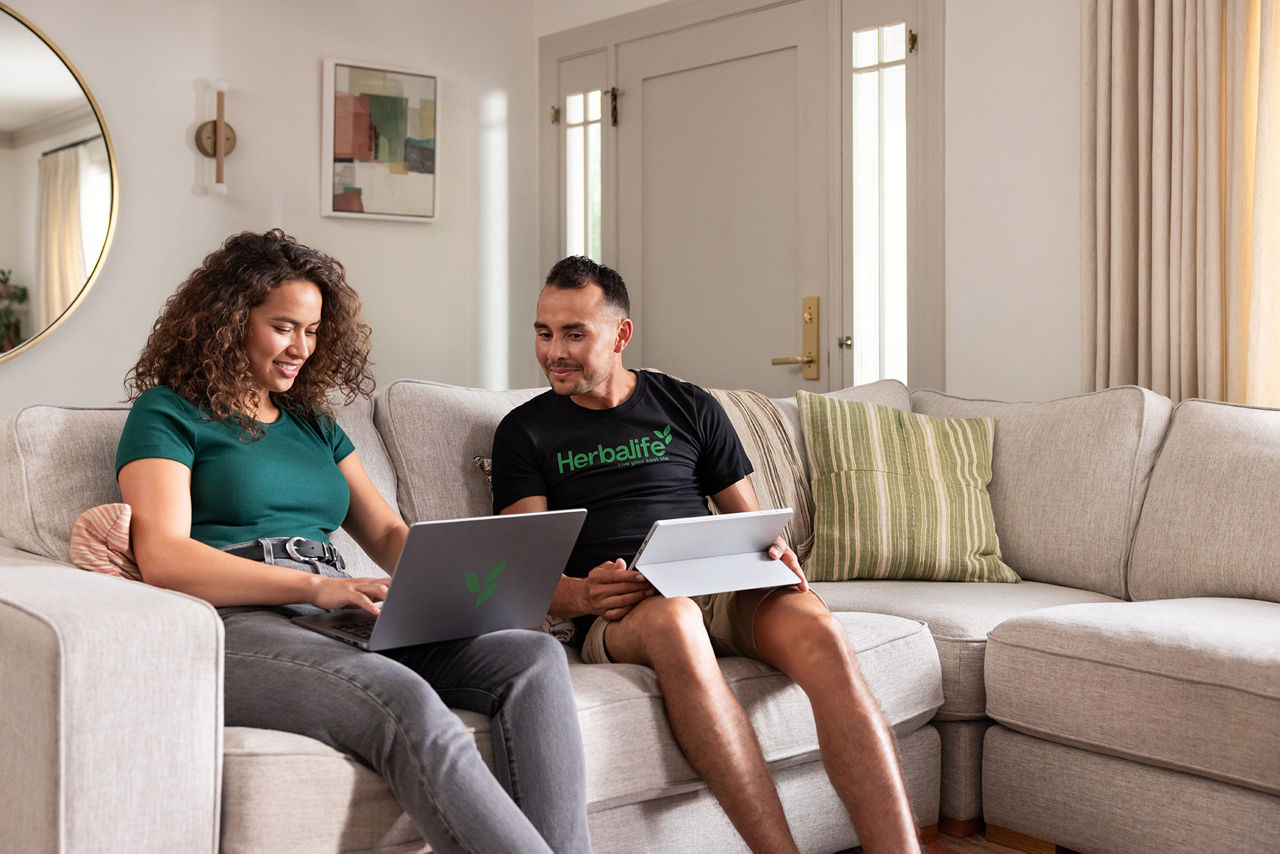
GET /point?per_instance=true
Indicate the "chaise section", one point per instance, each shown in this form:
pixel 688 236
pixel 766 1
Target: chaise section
pixel 1186 684
pixel 103 677
pixel 1087 801
pixel 959 616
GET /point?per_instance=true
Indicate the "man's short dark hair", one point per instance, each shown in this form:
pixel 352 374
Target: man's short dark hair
pixel 578 271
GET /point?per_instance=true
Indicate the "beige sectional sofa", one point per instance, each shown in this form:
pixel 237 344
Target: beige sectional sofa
pixel 1057 708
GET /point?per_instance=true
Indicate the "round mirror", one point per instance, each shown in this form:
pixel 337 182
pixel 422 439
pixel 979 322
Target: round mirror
pixel 57 182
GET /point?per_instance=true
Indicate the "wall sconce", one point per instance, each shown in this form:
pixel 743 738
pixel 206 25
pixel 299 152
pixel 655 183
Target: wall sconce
pixel 217 139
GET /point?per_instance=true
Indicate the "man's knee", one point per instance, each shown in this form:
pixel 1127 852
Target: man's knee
pixel 667 628
pixel 814 642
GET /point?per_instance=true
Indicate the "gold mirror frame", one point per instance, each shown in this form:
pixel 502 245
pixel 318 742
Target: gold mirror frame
pixel 115 189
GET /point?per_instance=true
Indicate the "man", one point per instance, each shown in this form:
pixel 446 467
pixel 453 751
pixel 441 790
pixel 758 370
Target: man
pixel 583 444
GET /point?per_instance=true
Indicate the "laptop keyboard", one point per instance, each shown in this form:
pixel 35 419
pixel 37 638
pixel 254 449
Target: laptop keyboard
pixel 359 628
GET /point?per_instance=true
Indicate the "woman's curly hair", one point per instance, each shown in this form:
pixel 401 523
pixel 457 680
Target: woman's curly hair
pixel 197 346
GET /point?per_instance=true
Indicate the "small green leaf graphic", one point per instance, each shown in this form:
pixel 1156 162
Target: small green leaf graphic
pixel 664 434
pixel 473 582
pixel 485 595
pixel 494 573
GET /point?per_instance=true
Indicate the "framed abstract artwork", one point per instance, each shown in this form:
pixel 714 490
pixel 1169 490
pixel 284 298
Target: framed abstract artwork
pixel 378 152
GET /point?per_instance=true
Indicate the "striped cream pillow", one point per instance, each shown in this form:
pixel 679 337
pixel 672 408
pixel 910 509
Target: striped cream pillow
pixel 899 495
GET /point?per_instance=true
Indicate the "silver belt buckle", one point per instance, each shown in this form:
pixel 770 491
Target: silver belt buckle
pixel 291 549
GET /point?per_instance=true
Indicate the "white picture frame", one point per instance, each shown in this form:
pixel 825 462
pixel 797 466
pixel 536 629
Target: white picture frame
pixel 379 129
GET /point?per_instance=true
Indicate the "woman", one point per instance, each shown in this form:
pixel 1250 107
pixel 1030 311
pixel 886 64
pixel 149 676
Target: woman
pixel 229 455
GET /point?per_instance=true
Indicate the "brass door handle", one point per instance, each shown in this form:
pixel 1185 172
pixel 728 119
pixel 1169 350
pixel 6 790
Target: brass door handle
pixel 809 342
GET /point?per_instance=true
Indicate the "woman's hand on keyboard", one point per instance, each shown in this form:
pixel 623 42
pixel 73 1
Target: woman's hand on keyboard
pixel 365 593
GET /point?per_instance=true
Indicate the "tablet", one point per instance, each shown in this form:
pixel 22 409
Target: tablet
pixel 714 554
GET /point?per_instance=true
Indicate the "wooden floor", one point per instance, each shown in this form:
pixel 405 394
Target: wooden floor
pixel 944 844
pixel 975 844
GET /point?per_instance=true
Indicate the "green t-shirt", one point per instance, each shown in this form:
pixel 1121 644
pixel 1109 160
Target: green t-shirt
pixel 286 484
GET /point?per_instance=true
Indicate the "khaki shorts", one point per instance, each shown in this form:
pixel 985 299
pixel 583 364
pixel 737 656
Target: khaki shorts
pixel 729 619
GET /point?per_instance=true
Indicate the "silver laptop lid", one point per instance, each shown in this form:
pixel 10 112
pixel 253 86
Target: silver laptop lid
pixel 464 577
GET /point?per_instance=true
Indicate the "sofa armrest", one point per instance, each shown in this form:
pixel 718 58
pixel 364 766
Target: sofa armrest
pixel 110 713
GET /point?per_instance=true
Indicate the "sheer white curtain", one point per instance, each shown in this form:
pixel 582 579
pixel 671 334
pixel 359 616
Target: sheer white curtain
pixel 59 245
pixel 1178 197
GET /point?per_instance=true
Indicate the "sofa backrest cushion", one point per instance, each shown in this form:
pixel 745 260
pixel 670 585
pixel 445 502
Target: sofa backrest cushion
pixel 778 471
pixel 55 463
pixel 58 461
pixel 356 419
pixel 433 432
pixel 1206 526
pixel 1068 479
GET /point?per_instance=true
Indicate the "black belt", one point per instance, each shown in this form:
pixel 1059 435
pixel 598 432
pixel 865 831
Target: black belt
pixel 299 549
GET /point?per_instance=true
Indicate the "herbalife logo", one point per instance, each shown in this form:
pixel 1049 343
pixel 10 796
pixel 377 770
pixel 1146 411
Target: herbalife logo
pixel 643 449
pixel 485 588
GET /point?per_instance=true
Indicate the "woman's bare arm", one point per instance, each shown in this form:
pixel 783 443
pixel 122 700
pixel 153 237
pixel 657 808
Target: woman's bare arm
pixel 159 492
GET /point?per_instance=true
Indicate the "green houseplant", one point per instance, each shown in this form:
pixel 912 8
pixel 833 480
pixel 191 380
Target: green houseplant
pixel 11 296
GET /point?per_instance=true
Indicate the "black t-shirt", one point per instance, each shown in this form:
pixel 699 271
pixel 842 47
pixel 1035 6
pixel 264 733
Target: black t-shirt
pixel 656 456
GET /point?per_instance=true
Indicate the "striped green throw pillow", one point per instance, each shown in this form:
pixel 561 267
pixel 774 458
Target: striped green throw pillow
pixel 899 495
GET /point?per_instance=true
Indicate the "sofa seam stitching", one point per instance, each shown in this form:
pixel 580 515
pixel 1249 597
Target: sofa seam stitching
pixel 1146 672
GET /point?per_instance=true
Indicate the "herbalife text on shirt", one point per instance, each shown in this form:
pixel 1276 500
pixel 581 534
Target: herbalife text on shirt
pixel 636 451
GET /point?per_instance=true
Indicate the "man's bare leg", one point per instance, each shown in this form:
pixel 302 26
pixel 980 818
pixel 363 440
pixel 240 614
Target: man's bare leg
pixel 796 634
pixel 709 723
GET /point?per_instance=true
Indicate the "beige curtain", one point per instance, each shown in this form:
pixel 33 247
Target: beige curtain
pixel 1178 197
pixel 59 248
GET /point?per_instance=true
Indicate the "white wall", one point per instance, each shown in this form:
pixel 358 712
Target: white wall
pixel 442 298
pixel 451 300
pixel 1013 198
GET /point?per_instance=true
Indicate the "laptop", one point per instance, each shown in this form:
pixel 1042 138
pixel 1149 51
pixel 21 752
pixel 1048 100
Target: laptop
pixel 714 554
pixel 459 578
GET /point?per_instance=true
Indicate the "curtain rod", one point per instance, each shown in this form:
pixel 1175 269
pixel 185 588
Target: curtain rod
pixel 71 145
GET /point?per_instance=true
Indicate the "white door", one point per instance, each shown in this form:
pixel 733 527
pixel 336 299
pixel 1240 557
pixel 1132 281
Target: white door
pixel 724 208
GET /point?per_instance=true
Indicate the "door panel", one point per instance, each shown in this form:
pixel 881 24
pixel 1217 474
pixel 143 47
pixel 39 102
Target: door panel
pixel 723 202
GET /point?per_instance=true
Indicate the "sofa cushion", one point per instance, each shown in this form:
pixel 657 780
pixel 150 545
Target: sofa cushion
pixel 1068 479
pixel 959 617
pixel 899 495
pixel 1087 801
pixel 268 774
pixel 433 433
pixel 356 420
pixel 1188 684
pixel 896 656
pixel 58 461
pixel 55 463
pixel 778 475
pixel 271 799
pixel 1203 530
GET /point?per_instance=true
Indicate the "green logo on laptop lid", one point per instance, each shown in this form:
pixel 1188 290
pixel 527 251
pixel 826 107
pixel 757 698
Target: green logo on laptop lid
pixel 485 588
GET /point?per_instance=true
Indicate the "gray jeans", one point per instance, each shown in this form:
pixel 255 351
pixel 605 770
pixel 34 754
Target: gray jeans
pixel 391 711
